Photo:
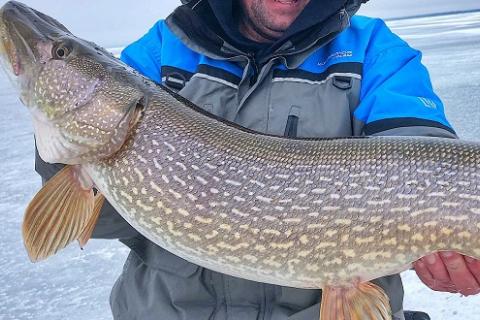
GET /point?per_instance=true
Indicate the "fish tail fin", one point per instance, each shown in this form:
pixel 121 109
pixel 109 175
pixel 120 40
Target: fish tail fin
pixel 365 301
pixel 58 214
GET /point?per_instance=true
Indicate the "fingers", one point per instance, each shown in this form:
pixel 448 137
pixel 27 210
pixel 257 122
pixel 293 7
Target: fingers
pixel 474 267
pixel 450 272
pixel 432 272
pixel 438 269
pixel 460 274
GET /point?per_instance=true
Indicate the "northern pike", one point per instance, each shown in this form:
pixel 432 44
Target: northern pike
pixel 307 213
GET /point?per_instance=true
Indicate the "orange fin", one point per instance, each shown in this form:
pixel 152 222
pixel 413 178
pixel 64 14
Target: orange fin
pixel 92 222
pixel 364 301
pixel 58 214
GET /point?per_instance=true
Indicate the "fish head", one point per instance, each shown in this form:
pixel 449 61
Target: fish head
pixel 83 101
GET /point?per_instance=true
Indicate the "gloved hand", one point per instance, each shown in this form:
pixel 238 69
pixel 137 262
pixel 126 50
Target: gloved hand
pixel 416 315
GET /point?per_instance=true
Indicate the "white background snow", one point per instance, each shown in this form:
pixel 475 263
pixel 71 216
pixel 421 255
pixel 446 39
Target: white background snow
pixel 76 284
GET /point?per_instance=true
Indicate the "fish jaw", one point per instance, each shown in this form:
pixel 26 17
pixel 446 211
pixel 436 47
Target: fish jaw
pixel 12 50
pixel 25 37
pixel 82 100
pixel 25 47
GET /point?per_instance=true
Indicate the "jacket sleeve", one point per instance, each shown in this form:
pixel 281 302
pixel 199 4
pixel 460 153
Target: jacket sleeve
pixel 397 97
pixel 144 55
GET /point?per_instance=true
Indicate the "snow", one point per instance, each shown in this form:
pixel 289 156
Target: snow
pixel 439 305
pixel 390 9
pixel 76 284
pixel 108 23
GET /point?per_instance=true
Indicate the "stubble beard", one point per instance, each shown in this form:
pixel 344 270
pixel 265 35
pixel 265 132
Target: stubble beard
pixel 261 18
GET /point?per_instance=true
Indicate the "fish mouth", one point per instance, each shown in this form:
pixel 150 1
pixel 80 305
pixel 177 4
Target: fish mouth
pixel 22 32
pixel 16 53
pixel 9 53
pixel 24 37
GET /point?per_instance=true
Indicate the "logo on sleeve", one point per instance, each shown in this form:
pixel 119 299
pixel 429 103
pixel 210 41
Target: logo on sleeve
pixel 337 55
pixel 428 103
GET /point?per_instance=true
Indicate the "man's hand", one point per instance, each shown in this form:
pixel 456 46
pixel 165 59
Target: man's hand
pixel 450 272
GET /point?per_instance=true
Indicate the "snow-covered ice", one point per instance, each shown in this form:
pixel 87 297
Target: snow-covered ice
pixel 76 284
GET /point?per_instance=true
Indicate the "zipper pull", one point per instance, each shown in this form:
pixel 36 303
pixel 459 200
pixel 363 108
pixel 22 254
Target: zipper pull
pixel 291 127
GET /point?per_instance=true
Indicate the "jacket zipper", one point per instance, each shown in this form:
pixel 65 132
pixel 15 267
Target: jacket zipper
pixel 254 77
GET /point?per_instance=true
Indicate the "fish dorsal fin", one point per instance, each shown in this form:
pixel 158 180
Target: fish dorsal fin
pixel 92 221
pixel 58 214
pixel 363 301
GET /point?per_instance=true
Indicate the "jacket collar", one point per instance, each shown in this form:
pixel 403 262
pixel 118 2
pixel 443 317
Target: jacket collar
pixel 199 25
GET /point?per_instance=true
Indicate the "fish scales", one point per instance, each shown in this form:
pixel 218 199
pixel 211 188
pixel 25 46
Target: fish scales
pixel 302 213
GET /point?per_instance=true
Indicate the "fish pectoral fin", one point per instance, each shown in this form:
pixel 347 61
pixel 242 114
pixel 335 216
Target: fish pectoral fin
pixel 364 301
pixel 92 221
pixel 58 214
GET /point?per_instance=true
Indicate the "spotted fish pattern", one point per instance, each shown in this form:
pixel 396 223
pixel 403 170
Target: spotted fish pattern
pixel 301 213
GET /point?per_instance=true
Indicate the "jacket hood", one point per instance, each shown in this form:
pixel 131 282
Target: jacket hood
pixel 212 24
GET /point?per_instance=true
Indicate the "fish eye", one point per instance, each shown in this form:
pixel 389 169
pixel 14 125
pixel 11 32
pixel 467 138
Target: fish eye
pixel 60 51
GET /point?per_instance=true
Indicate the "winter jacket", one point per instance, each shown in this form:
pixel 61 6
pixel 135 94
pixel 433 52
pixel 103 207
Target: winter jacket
pixel 338 75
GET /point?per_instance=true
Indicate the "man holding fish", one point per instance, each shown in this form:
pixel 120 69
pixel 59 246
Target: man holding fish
pixel 294 68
